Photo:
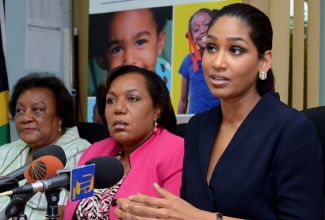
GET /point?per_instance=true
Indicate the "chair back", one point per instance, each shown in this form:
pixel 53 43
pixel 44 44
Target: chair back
pixel 180 130
pixel 92 132
pixel 317 116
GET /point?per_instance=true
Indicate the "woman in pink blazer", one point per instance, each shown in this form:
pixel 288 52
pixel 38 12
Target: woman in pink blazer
pixel 136 106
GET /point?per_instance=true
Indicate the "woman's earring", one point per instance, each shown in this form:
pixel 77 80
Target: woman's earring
pixel 59 128
pixel 262 76
pixel 156 124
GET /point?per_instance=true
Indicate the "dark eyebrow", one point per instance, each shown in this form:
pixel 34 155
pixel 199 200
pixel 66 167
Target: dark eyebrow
pixel 212 37
pixel 35 103
pixel 127 91
pixel 112 42
pixel 236 39
pixel 228 39
pixel 140 34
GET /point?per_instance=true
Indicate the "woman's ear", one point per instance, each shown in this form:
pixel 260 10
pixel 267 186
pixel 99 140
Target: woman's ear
pixel 266 61
pixel 101 63
pixel 60 122
pixel 157 111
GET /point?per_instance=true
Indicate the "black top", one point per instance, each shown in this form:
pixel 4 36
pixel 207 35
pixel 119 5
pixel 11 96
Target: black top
pixel 271 169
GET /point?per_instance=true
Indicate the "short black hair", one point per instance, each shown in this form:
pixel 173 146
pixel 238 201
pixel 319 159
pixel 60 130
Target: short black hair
pixel 205 10
pixel 63 100
pixel 99 29
pixel 156 87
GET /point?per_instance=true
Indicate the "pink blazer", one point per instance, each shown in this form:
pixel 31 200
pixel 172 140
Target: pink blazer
pixel 159 159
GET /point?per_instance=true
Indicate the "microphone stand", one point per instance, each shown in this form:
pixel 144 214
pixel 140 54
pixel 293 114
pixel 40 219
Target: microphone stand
pixel 21 209
pixel 52 197
pixel 16 207
pixel 22 216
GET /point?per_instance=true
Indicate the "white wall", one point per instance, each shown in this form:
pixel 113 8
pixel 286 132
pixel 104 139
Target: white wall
pixel 15 11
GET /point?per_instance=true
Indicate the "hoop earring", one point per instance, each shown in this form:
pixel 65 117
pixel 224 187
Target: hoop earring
pixel 262 75
pixel 155 129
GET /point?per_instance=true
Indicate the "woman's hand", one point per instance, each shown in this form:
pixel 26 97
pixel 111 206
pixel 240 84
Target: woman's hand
pixel 168 207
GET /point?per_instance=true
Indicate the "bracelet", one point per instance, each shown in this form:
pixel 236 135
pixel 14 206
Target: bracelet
pixel 219 216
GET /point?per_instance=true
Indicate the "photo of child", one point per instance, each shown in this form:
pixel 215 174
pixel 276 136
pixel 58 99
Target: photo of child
pixel 132 37
pixel 195 95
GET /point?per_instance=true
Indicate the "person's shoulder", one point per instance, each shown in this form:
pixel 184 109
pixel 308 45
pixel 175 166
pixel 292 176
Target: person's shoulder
pixel 188 57
pixel 286 116
pixel 187 60
pixel 100 148
pixel 11 155
pixel 206 115
pixel 282 111
pixel 169 140
pixel 71 137
pixel 168 136
pixel 162 61
pixel 10 152
pixel 7 145
pixel 99 145
pixel 16 144
pixel 166 146
pixel 73 131
pixel 103 145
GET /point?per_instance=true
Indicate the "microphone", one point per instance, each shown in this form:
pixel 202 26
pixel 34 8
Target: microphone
pixel 41 168
pixel 10 181
pixel 53 150
pixel 103 178
pixel 108 171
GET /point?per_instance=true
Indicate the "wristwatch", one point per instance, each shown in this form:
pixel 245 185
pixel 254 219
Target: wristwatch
pixel 219 216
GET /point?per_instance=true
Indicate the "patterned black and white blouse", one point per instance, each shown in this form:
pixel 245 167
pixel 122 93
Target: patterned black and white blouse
pixel 97 206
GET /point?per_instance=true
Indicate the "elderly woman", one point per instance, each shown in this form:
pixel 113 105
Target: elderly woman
pixel 43 112
pixel 139 114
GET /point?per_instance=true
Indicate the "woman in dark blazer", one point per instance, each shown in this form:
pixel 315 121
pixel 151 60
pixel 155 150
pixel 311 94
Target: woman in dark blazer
pixel 251 157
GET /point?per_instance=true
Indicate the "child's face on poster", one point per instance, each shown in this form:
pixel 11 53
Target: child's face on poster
pixel 134 40
pixel 199 27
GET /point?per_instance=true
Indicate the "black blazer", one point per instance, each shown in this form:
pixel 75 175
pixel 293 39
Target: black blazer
pixel 271 169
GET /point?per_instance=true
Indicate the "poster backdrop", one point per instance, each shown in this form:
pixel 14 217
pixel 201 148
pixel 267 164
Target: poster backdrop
pixel 125 31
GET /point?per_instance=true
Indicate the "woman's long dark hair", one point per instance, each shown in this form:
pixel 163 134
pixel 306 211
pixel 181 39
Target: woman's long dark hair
pixel 155 85
pixel 261 33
